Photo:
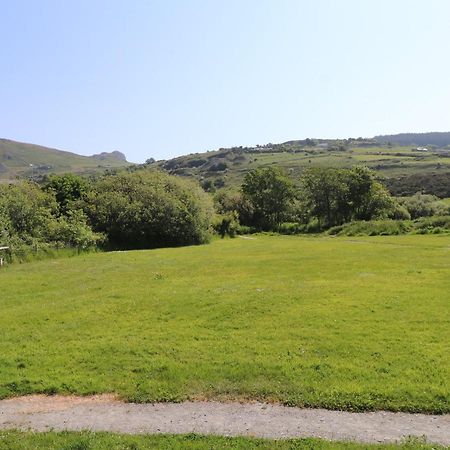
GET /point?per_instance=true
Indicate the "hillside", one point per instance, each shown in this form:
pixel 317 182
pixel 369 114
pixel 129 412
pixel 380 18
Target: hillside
pixel 18 159
pixel 423 164
pixel 437 139
pixel 405 168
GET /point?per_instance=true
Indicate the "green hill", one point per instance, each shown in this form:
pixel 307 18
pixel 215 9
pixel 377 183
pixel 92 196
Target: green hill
pixel 406 169
pixel 18 159
pixel 422 165
pixel 438 139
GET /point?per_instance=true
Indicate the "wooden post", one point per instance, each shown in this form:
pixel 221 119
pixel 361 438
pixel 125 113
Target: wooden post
pixel 2 261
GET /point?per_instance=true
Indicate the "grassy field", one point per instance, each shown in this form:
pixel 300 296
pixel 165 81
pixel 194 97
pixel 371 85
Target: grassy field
pixel 341 323
pixel 108 441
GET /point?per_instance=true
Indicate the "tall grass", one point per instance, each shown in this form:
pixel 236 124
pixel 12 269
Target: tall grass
pixel 26 254
pixel 424 225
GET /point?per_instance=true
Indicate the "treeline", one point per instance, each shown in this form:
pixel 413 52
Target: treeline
pixel 124 211
pixel 326 197
pixel 148 209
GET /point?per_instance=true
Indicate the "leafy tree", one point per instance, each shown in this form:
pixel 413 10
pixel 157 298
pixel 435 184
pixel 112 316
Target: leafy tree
pixel 27 208
pixel 72 230
pixel 234 202
pixel 271 194
pixel 336 196
pixel 149 209
pixel 30 221
pixel 367 198
pixel 321 193
pixel 226 224
pixel 67 189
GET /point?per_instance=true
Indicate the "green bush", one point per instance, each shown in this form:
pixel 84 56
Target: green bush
pixel 271 194
pixel 336 196
pixel 149 209
pixel 384 227
pixel 226 224
pixel 72 230
pixel 234 202
pixel 423 205
pixel 432 225
pixel 129 210
pixel 245 229
pixel 424 225
pixel 31 224
pixel 399 212
pixel 291 228
pixel 67 189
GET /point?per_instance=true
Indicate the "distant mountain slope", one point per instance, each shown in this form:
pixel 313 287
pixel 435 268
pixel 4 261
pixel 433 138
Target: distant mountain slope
pixel 401 165
pixel 18 159
pixel 439 139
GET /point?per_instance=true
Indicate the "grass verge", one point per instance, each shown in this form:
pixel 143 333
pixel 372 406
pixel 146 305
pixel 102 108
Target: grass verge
pixel 15 440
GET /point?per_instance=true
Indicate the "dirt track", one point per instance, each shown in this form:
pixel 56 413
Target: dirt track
pixel 105 413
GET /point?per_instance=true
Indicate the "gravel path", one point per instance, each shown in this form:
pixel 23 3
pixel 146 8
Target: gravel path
pixel 105 413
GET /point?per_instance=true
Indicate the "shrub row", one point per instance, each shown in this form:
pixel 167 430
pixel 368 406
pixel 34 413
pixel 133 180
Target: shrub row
pixel 144 209
pixel 424 225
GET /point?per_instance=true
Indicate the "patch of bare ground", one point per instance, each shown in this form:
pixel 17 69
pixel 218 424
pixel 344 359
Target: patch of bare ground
pixel 108 413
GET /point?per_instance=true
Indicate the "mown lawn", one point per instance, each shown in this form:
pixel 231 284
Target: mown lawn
pixel 110 441
pixel 342 323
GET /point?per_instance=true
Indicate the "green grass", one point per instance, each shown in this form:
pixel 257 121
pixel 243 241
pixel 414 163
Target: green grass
pixel 109 441
pixel 341 323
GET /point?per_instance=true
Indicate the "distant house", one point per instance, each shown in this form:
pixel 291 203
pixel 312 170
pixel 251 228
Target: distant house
pixel 324 145
pixel 421 149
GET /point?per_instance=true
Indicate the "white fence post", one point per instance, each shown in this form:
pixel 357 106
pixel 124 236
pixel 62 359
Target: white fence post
pixel 2 260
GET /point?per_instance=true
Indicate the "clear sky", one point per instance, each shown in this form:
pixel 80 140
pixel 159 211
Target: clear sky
pixel 160 78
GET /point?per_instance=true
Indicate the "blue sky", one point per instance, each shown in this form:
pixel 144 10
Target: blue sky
pixel 160 78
